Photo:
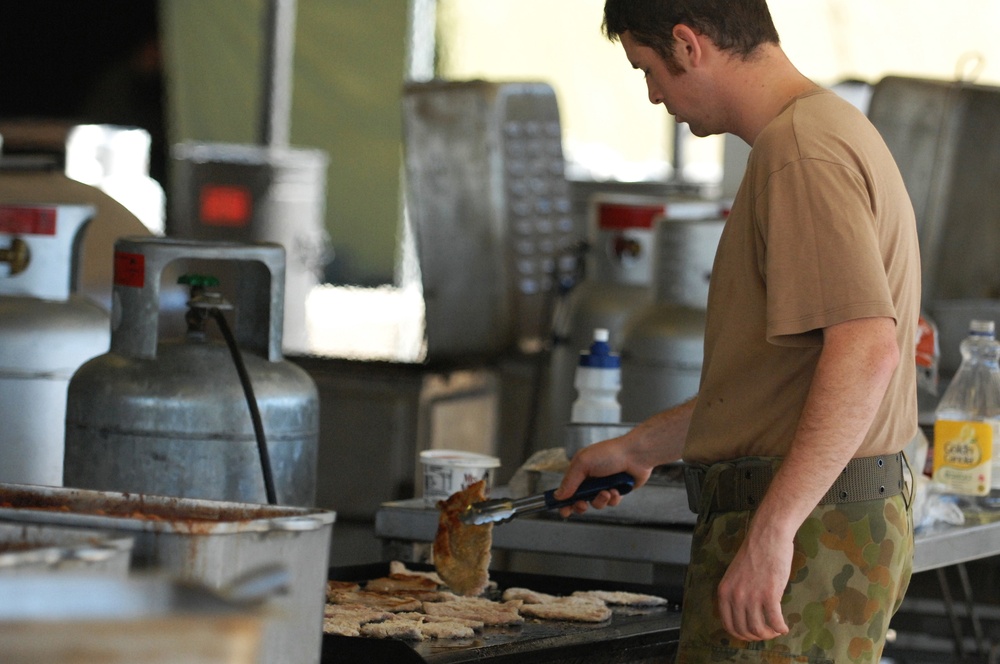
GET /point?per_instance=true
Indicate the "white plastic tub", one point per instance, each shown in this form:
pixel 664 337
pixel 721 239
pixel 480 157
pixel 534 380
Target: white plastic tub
pixel 448 471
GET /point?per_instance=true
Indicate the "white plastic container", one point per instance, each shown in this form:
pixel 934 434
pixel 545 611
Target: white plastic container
pixel 598 381
pixel 448 471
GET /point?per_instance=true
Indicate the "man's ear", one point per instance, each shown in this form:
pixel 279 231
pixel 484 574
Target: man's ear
pixel 687 46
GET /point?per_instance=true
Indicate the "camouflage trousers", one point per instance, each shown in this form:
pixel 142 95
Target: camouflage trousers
pixel 851 567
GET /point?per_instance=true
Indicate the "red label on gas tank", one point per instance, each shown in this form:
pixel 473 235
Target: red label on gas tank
pixel 615 216
pixel 27 220
pixel 130 269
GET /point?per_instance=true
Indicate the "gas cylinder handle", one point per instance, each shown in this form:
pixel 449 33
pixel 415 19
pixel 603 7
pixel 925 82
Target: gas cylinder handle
pixel 18 256
pixel 140 263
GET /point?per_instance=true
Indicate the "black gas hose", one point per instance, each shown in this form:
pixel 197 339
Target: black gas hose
pixel 258 424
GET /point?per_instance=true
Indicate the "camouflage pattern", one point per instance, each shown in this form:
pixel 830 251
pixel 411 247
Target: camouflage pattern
pixel 851 567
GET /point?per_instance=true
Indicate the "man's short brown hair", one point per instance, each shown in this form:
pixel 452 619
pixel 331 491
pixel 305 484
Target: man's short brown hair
pixel 738 26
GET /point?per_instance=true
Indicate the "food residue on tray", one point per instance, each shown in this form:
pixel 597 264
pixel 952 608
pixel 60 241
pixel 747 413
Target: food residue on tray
pixel 135 506
pixel 417 606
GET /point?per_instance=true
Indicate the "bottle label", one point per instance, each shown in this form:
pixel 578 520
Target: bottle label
pixel 962 454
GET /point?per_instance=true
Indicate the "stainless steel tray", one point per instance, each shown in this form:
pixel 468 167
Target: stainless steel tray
pixel 211 542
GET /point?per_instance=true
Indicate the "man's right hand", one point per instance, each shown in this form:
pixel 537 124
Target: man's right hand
pixel 599 460
pixel 653 442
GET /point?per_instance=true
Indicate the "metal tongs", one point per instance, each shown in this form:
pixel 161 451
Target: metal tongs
pixel 500 510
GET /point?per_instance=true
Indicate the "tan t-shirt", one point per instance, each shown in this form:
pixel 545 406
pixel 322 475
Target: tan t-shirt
pixel 822 231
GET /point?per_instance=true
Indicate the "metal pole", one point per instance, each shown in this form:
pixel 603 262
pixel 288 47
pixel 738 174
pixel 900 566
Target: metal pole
pixel 421 41
pixel 276 92
pixel 949 605
pixel 677 153
pixel 977 626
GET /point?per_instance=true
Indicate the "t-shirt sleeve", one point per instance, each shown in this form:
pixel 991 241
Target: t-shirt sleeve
pixel 820 255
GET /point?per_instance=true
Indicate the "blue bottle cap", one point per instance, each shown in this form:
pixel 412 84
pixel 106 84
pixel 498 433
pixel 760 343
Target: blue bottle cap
pixel 600 355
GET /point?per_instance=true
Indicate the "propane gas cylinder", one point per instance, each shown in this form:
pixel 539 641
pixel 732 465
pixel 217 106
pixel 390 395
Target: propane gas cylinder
pixel 619 284
pixel 176 416
pixel 664 342
pixel 47 331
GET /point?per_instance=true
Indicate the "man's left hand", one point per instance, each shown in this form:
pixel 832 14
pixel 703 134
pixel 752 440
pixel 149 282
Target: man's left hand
pixel 750 592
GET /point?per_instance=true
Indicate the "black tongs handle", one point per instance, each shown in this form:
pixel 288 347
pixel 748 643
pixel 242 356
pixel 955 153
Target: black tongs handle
pixel 590 487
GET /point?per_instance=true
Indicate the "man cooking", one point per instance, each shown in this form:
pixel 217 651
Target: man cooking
pixel 803 546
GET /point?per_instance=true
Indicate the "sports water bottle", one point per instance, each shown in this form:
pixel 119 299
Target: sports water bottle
pixel 598 381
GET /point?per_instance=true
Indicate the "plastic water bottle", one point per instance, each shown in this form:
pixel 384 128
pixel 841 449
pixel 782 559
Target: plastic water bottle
pixel 598 381
pixel 967 426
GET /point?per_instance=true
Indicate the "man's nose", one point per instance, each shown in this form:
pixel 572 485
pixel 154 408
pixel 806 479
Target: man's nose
pixel 654 95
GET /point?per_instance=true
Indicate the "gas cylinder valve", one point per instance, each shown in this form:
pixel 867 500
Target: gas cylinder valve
pixel 17 255
pixel 202 301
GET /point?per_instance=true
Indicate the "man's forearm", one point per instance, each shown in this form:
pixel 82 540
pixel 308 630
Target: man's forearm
pixel 660 439
pixel 854 370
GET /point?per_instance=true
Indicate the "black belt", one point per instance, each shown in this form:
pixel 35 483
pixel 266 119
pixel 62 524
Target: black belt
pixel 741 484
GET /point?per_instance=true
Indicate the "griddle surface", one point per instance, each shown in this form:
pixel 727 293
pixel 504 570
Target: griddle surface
pixel 631 635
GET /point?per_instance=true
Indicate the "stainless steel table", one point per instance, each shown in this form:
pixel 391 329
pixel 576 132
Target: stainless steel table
pixel 944 545
pixel 407 529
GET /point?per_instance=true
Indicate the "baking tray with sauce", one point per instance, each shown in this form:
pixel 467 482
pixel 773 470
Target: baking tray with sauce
pixel 208 541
